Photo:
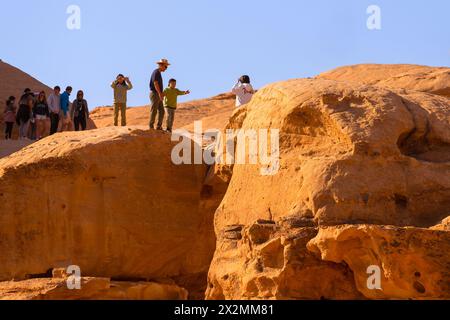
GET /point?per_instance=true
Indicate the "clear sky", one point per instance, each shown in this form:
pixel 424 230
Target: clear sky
pixel 211 42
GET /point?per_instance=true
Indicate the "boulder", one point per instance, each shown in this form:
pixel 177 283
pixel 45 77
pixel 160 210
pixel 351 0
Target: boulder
pixel 349 154
pixel 414 262
pixel 90 289
pixel 268 260
pixel 109 201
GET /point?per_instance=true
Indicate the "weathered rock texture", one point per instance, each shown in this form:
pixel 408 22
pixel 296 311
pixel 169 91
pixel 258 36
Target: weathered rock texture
pixel 110 201
pixel 350 154
pixel 401 76
pixel 415 262
pixel 91 289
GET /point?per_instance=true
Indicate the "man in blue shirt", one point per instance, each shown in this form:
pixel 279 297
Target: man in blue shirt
pixel 157 94
pixel 65 105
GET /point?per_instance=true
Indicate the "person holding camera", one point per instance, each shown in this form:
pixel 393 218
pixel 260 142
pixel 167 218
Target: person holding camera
pixel 121 87
pixel 243 91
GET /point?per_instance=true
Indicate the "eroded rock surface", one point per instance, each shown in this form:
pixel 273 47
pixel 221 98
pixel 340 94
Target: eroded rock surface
pixel 433 80
pixel 350 154
pixel 110 201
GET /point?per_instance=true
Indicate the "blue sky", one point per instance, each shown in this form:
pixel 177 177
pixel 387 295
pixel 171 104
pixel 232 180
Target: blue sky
pixel 211 43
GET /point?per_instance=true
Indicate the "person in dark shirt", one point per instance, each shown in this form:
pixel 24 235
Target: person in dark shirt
pixel 24 98
pixel 23 117
pixel 157 94
pixel 80 112
pixel 41 114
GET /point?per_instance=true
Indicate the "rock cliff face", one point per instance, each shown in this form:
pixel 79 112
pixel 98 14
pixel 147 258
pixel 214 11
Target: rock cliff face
pixel 350 156
pixel 110 201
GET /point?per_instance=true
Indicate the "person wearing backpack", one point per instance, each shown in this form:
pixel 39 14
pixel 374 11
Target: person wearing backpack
pixel 80 112
pixel 23 117
pixel 9 117
pixel 243 91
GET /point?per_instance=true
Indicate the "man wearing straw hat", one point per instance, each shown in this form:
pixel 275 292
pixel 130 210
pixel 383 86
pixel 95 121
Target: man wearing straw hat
pixel 157 94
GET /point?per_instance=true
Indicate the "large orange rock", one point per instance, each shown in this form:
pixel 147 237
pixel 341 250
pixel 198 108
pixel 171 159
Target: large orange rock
pixel 110 201
pixel 90 289
pixel 401 76
pixel 349 154
pixel 268 260
pixel 414 262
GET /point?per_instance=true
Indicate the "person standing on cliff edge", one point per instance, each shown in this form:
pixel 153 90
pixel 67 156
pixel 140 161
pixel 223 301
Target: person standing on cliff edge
pixel 157 94
pixel 121 86
pixel 243 91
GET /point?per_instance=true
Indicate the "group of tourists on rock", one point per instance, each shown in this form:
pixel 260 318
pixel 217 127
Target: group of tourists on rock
pixel 35 109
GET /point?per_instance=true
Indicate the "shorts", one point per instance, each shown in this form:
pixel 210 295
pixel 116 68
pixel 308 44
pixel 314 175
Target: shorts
pixel 41 117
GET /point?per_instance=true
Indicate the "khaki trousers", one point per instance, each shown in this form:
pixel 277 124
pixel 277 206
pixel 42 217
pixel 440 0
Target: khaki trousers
pixel 122 107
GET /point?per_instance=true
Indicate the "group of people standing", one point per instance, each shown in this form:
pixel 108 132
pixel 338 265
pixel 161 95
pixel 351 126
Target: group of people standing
pixel 165 100
pixel 36 110
pixel 162 100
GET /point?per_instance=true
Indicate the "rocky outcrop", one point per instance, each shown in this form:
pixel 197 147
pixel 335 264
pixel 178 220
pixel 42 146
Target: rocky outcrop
pixel 268 260
pixel 363 186
pixel 414 261
pixel 349 155
pixel 90 289
pixel 109 201
pixel 400 76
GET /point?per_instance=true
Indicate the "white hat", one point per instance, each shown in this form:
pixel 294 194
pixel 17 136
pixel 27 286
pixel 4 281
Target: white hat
pixel 164 62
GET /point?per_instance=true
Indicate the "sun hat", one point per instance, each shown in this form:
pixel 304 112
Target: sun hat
pixel 164 62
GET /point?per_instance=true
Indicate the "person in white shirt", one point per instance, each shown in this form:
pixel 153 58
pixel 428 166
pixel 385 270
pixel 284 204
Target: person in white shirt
pixel 243 91
pixel 54 105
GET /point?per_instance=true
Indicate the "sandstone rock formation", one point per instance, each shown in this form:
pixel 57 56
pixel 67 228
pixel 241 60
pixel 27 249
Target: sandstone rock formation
pixel 415 262
pixel 90 289
pixel 401 76
pixel 110 201
pixel 350 155
pixel 364 181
